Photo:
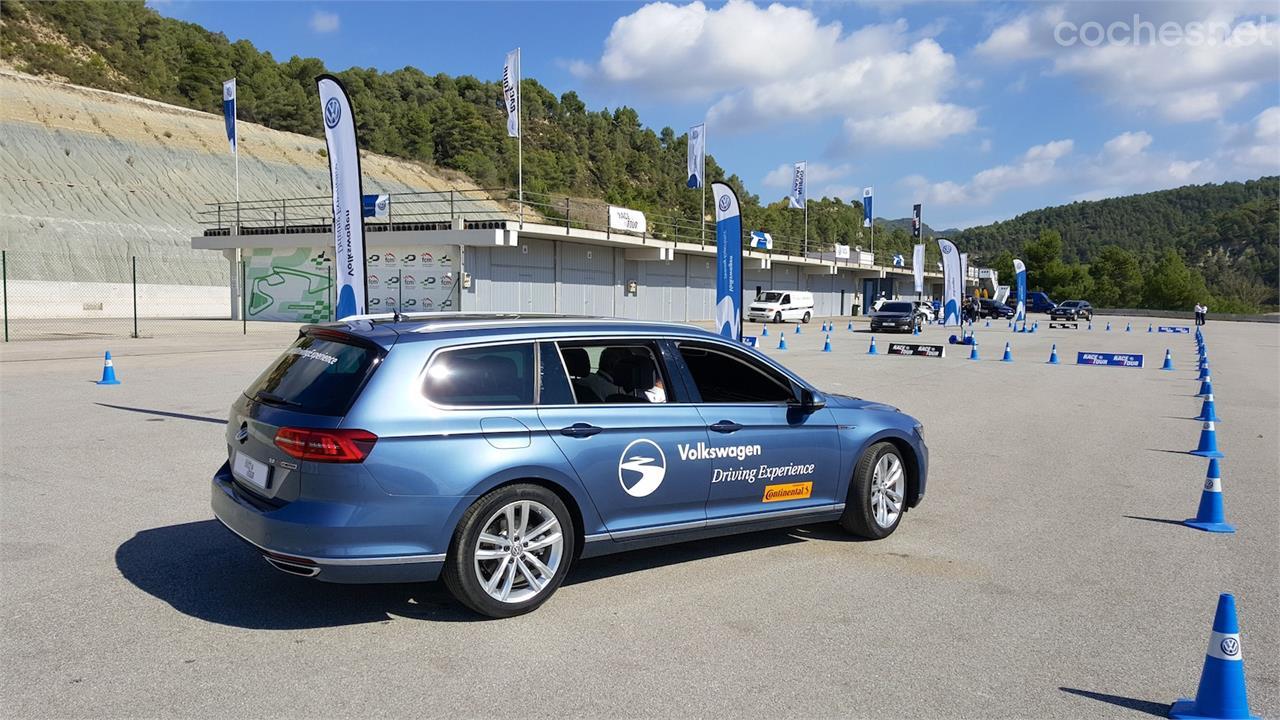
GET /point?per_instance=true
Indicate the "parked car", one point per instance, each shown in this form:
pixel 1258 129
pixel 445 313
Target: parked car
pixel 779 305
pixel 988 308
pixel 896 315
pixel 925 311
pixel 1072 310
pixel 495 450
pixel 1036 302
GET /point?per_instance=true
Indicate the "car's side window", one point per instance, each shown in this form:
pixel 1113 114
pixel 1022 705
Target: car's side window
pixel 786 299
pixel 614 372
pixel 724 375
pixel 482 376
pixel 553 379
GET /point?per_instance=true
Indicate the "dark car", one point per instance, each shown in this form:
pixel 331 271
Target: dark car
pixel 1036 302
pixel 896 315
pixel 1072 310
pixel 993 309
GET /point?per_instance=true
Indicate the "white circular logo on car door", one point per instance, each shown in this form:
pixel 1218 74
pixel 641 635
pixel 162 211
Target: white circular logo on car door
pixel 641 468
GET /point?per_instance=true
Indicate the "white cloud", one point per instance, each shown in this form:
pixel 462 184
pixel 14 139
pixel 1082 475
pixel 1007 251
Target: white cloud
pixel 919 126
pixel 1182 78
pixel 1127 144
pixel 777 63
pixel 1254 149
pixel 1037 166
pixel 816 172
pixel 324 22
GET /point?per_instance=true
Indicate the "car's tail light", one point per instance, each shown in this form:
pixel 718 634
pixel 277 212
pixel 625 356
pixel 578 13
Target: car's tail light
pixel 335 446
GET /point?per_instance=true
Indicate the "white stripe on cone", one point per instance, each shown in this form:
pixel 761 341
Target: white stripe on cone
pixel 1225 646
pixel 1213 485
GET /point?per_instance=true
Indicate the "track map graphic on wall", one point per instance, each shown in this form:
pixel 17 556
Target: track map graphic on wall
pixel 296 284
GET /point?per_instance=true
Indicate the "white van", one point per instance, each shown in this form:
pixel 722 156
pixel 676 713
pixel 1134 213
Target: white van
pixel 780 305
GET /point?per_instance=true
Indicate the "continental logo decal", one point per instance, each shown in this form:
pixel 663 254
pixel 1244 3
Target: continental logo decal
pixel 790 491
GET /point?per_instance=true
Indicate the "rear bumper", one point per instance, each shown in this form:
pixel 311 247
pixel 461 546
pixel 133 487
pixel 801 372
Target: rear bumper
pixel 322 541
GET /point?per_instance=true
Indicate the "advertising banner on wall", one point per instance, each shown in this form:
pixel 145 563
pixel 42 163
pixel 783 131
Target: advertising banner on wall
pixel 348 215
pixel 951 282
pixel 1020 273
pixel 298 284
pixel 627 220
pixel 728 262
pixel 761 240
pixel 842 252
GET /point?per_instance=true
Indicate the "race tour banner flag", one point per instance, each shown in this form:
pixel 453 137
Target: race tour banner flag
pixel 798 193
pixel 696 159
pixel 728 262
pixel 915 221
pixel 917 267
pixel 348 216
pixel 867 195
pixel 1020 273
pixel 229 111
pixel 951 282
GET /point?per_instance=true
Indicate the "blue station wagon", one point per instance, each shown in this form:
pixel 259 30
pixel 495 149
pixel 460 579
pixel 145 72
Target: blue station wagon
pixel 494 450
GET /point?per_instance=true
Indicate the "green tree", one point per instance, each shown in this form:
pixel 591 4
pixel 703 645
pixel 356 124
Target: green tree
pixel 1117 278
pixel 1171 285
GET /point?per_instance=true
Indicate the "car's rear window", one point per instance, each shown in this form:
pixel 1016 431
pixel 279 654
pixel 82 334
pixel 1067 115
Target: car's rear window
pixel 895 307
pixel 319 375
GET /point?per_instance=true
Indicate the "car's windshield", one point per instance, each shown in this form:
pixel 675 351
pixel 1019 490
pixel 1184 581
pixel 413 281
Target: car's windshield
pixel 1070 304
pixel 769 297
pixel 895 307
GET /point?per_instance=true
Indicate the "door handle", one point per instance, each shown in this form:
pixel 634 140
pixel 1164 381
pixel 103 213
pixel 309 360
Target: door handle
pixel 580 430
pixel 725 426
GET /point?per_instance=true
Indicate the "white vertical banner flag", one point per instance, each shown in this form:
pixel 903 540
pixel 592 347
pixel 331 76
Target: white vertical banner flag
pixel 964 271
pixel 798 192
pixel 348 215
pixel 917 267
pixel 951 283
pixel 697 155
pixel 511 92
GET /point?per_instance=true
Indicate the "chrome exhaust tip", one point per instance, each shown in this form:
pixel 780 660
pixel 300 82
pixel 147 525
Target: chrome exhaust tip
pixel 292 567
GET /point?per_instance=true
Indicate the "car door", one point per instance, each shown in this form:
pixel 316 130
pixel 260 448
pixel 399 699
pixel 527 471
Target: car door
pixel 632 450
pixel 767 454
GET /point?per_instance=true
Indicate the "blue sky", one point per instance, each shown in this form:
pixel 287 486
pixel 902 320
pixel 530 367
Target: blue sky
pixel 979 110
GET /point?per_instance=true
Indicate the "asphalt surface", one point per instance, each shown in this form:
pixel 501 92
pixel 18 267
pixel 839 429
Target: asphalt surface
pixel 1045 574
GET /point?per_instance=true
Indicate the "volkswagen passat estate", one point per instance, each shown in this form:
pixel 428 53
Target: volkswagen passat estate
pixel 494 450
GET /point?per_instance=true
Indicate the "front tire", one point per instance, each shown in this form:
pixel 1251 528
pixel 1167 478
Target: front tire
pixel 511 551
pixel 805 319
pixel 877 493
pixel 777 318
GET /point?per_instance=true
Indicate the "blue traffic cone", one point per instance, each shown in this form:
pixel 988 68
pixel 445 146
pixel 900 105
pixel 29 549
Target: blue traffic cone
pixel 826 346
pixel 108 371
pixel 764 331
pixel 1128 327
pixel 1221 693
pixel 973 351
pixel 797 329
pixel 1207 413
pixel 988 324
pixel 872 350
pixel 1206 388
pixel 1148 327
pixel 1204 371
pixel 915 329
pixel 1208 446
pixel 1210 516
pixel 782 341
pixel 1053 355
pixel 1008 354
pixel 1035 326
pixel 1090 324
pixel 850 326
pixel 1108 327
pixel 1168 360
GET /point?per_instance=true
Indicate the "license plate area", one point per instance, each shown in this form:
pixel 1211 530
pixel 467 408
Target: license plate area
pixel 250 471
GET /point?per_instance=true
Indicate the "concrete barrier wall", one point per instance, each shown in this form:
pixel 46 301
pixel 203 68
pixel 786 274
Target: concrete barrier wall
pixel 1186 315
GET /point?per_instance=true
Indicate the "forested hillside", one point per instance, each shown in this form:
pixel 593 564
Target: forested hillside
pixel 1161 249
pixel 1214 242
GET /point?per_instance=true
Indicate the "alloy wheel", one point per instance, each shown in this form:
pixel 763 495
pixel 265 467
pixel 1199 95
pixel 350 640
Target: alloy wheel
pixel 887 490
pixel 519 549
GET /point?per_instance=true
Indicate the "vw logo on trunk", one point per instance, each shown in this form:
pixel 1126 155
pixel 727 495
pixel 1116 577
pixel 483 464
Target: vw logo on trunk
pixel 243 433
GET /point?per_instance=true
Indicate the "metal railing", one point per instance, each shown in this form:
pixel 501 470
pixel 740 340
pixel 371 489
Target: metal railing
pixel 485 207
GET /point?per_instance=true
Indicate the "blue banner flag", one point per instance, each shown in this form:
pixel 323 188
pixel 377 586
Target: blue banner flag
pixel 696 159
pixel 728 262
pixel 761 240
pixel 229 111
pixel 376 205
pixel 867 194
pixel 952 282
pixel 799 194
pixel 348 215
pixel 1020 273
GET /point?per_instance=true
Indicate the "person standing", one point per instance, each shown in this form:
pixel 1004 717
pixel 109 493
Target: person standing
pixel 1204 313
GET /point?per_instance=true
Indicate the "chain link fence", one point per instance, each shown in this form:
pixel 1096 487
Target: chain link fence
pixel 49 296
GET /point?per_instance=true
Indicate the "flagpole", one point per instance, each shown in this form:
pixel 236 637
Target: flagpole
pixel 702 177
pixel 520 136
pixel 806 223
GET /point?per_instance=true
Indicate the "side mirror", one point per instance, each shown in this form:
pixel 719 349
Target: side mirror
pixel 808 401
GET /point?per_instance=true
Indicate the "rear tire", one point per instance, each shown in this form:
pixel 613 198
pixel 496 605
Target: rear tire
pixel 806 317
pixel 870 510
pixel 528 574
